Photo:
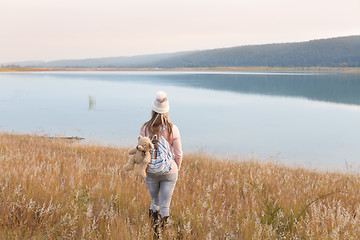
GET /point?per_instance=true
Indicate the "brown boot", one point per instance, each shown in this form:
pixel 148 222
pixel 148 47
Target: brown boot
pixel 154 218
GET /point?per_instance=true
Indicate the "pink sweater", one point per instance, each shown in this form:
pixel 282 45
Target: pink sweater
pixel 175 147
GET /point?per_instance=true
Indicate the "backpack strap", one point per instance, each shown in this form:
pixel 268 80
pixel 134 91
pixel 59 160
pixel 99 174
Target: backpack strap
pixel 155 139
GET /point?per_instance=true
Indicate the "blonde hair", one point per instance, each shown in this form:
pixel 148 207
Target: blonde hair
pixel 157 122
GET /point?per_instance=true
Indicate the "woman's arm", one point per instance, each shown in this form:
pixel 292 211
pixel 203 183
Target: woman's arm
pixel 176 145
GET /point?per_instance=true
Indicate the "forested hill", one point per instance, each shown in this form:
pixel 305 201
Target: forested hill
pixel 332 52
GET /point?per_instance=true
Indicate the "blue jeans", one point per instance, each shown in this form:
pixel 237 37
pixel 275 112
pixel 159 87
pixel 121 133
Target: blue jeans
pixel 161 189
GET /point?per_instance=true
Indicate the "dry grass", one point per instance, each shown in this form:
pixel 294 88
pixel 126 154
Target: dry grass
pixel 54 189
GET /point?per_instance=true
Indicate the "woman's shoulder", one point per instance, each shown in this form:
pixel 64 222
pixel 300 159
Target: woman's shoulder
pixel 175 131
pixel 143 130
pixel 174 127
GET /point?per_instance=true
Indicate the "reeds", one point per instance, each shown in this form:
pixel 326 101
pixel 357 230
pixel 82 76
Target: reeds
pixel 56 189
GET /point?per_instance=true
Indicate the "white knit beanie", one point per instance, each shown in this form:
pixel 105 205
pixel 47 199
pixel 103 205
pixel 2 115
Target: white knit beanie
pixel 161 103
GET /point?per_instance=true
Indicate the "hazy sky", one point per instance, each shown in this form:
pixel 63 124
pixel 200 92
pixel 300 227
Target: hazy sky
pixel 75 29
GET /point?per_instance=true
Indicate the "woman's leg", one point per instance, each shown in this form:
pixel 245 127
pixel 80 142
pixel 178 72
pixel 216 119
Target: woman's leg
pixel 153 185
pixel 167 185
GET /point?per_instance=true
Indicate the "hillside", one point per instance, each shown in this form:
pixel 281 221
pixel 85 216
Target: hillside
pixel 54 189
pixel 109 62
pixel 332 52
pixel 343 51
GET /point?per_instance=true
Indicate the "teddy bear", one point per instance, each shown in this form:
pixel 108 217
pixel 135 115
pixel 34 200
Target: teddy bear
pixel 140 155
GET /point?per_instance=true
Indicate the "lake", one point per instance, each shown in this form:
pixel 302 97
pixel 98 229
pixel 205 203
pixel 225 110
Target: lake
pixel 307 119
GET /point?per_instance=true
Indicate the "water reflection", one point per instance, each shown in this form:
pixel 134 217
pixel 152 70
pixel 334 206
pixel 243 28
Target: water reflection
pixel 337 88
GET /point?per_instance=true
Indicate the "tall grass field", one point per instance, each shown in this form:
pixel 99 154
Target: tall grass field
pixel 58 189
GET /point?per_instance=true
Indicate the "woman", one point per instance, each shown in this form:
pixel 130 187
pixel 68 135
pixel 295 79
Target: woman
pixel 161 187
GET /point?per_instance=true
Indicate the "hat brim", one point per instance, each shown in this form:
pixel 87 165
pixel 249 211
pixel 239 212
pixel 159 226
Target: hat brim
pixel 160 110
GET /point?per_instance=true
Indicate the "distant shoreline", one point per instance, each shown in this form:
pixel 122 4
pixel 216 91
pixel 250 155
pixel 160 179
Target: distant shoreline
pixel 354 70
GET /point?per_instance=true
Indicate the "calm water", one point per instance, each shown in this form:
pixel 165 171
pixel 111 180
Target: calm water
pixel 307 119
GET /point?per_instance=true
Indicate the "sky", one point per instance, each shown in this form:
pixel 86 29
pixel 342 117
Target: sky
pixel 77 29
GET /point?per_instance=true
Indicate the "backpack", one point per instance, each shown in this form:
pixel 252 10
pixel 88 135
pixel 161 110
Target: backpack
pixel 161 156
